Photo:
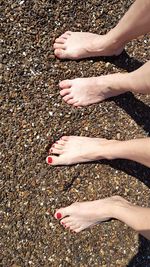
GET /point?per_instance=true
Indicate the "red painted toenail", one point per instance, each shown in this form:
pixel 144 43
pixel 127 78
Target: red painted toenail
pixel 49 160
pixel 58 215
pixel 62 223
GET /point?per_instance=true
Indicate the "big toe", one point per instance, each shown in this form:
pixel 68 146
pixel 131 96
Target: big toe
pixel 61 213
pixel 60 53
pixel 58 160
pixel 54 160
pixel 65 84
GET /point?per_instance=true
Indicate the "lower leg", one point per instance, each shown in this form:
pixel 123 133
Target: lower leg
pixel 135 22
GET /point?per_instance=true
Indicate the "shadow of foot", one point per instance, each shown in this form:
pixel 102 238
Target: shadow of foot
pixel 124 61
pixel 139 111
pixel 137 170
pixel 142 258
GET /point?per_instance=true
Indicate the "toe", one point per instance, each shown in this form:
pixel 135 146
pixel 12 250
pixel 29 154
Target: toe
pixel 56 151
pixel 64 92
pixel 67 97
pixel 66 34
pixel 61 213
pixel 71 101
pixel 65 138
pixel 60 40
pixel 59 46
pixel 55 160
pixel 65 220
pixel 56 146
pixel 77 104
pixel 60 53
pixel 61 142
pixel 65 84
pixel 78 229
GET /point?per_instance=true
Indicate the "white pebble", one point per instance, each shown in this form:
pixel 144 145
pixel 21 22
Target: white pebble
pixel 21 3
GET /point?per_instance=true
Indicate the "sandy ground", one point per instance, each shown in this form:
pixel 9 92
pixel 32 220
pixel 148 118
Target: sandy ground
pixel 33 116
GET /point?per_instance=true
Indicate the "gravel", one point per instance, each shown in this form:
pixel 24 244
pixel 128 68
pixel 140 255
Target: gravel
pixel 33 116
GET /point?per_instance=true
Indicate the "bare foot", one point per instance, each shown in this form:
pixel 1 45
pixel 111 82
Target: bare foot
pixel 86 91
pixel 76 149
pixel 77 45
pixel 81 215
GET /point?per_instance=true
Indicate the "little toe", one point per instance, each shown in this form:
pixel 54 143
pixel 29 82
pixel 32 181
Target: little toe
pixel 71 101
pixel 67 97
pixel 75 226
pixel 59 46
pixel 64 92
pixel 60 53
pixel 66 34
pixel 76 104
pixel 77 230
pixel 65 138
pixel 65 84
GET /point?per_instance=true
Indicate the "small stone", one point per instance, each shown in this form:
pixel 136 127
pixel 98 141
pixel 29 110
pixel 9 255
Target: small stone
pixel 118 135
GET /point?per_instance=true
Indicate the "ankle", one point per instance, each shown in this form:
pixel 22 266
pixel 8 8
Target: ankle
pixel 116 40
pixel 118 205
pixel 119 82
pixel 108 149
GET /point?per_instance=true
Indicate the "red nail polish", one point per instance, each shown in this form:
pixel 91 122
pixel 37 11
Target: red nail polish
pixel 62 223
pixel 58 215
pixel 53 145
pixel 49 159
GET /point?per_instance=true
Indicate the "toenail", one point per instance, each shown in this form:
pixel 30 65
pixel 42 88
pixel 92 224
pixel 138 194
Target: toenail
pixel 53 145
pixel 49 160
pixel 58 215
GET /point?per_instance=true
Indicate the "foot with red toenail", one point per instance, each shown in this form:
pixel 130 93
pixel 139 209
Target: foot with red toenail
pixel 82 215
pixel 75 149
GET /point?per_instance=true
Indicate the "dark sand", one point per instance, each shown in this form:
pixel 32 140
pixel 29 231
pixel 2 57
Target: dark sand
pixel 32 112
